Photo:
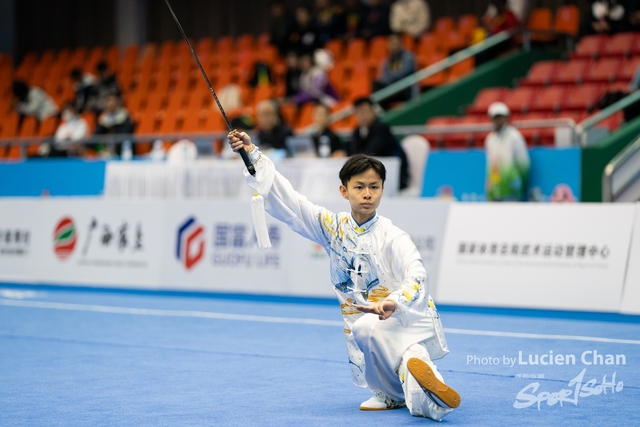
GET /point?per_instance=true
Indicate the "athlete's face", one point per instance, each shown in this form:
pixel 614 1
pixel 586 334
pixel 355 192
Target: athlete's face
pixel 363 192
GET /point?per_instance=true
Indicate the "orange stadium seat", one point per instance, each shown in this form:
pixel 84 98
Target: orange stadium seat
pixel 147 122
pixel 454 41
pixel 461 68
pixel 305 116
pixel 443 26
pixel 336 47
pixel 467 24
pixel 540 24
pixel 427 45
pixel 436 79
pixel 567 20
pixel 29 127
pixel 355 49
pixel 48 127
pixel 288 113
pixel 378 48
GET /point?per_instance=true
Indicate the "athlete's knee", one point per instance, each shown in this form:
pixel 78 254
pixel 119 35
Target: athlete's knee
pixel 363 327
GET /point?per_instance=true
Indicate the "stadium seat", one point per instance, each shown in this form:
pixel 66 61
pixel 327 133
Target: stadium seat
pixel 603 70
pixel 461 69
pixel 628 69
pixel 29 127
pixel 466 24
pixel 305 116
pixel 583 97
pixel 621 44
pixel 443 27
pixel 541 73
pixel 567 21
pixel 355 49
pixel 549 99
pixel 48 127
pixel 10 125
pixel 540 24
pixel 520 99
pixel 147 122
pixel 590 46
pixel 378 48
pixel 612 122
pixel 486 97
pixel 576 116
pixel 571 72
pixel 427 45
pixel 336 47
pixel 437 138
pixel 436 79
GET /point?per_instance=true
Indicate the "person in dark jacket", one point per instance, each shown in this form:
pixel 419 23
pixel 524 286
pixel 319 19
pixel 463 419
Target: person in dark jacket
pixel 326 142
pixel 373 137
pixel 272 132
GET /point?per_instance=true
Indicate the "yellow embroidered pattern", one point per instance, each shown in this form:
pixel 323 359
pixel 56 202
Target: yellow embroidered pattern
pixel 378 294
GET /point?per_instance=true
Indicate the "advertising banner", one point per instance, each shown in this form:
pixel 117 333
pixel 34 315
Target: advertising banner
pixel 551 256
pixel 93 241
pixel 631 295
pixel 18 220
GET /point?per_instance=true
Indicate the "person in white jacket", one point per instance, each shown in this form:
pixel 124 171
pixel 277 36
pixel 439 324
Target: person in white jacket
pixel 391 325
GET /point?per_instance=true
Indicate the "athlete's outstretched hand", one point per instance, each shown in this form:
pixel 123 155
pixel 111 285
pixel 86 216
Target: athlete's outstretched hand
pixel 384 309
pixel 237 140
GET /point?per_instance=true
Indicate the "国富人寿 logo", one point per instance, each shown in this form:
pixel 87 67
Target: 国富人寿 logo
pixel 65 237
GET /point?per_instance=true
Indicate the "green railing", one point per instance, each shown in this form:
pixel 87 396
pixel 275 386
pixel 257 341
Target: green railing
pixel 621 177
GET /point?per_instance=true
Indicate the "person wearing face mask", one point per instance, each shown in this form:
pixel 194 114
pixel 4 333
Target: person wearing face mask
pixel 507 158
pixel 66 141
pixel 114 119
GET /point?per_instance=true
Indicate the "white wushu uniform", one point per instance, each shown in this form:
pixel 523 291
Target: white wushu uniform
pixel 369 262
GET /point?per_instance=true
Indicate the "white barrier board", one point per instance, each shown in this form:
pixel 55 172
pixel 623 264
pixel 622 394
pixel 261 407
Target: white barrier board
pixel 631 295
pixel 566 257
pixel 186 245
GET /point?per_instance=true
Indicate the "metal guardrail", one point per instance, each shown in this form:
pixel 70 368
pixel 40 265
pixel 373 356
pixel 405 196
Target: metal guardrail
pixel 621 176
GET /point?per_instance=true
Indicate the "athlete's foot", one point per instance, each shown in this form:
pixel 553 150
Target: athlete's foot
pixel 423 373
pixel 380 402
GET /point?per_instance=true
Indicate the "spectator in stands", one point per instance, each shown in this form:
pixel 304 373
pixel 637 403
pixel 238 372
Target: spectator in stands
pixel 303 37
pixel 115 118
pixel 292 77
pixel 72 129
pixel 507 158
pixel 604 17
pixel 326 142
pixel 84 86
pixel 32 101
pixel 314 83
pixel 399 64
pixel 327 20
pixel 633 11
pixel 499 17
pixel 374 137
pixel 352 19
pixel 279 25
pixel 410 17
pixel 375 20
pixel 106 86
pixel 272 132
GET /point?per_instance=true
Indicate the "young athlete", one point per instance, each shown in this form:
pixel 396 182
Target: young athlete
pixel 392 328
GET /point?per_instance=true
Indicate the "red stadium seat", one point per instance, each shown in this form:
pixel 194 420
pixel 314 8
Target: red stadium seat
pixel 583 97
pixel 576 116
pixel 628 69
pixel 549 99
pixel 520 99
pixel 612 122
pixel 437 138
pixel 541 73
pixel 486 97
pixel 604 70
pixel 621 44
pixel 571 72
pixel 590 46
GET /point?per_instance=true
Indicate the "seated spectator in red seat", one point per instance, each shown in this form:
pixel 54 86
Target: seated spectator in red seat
pixel 32 101
pixel 70 132
pixel 400 64
pixel 314 84
pixel 375 20
pixel 84 86
pixel 499 17
pixel 410 17
pixel 507 158
pixel 272 132
pixel 106 86
pixel 374 137
pixel 326 142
